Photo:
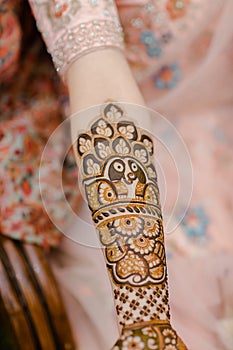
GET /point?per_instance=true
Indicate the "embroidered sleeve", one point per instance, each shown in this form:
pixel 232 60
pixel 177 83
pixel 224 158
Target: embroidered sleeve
pixel 72 28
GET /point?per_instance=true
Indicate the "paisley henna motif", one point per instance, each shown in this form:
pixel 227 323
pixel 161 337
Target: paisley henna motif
pixel 132 256
pixel 121 187
pixel 124 198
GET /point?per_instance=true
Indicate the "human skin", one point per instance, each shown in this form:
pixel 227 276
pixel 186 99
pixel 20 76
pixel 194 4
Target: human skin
pixel 116 158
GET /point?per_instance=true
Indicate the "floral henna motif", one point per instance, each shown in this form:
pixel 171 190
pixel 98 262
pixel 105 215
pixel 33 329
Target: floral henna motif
pixel 122 192
pixel 134 253
pixel 121 187
pixel 159 335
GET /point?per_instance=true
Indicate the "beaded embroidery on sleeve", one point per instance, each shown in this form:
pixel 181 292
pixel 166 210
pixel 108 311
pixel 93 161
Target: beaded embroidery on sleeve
pixel 72 28
pixel 121 187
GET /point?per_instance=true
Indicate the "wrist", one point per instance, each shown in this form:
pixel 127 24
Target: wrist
pixel 99 74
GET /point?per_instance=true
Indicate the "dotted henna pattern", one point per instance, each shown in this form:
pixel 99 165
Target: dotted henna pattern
pixel 121 187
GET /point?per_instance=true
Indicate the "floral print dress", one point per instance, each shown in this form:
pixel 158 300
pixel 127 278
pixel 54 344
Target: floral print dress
pixel 180 52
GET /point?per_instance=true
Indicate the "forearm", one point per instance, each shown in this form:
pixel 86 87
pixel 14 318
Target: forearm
pixel 119 178
pixel 101 75
pixel 117 171
pixel 115 155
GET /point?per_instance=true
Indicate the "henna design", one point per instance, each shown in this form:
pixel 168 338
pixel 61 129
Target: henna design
pixel 121 187
pixel 141 304
pixel 154 335
pixel 131 254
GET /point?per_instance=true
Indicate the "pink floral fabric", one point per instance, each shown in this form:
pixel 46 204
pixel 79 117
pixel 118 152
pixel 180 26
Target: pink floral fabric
pixel 181 54
pixel 31 105
pixel 73 28
pixel 165 42
pixel 160 42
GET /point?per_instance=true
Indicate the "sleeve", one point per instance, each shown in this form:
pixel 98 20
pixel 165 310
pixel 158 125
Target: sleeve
pixel 72 28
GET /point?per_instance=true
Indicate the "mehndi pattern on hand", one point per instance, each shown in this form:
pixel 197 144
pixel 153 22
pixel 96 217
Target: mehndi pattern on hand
pixel 121 188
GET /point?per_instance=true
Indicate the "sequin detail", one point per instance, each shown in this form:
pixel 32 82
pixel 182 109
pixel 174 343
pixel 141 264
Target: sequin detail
pixel 84 38
pixel 71 28
pixel 152 44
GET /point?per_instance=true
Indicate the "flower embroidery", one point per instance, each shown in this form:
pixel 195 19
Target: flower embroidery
pixel 128 226
pixel 133 343
pixel 26 186
pixel 57 10
pixel 177 8
pixel 15 226
pixel 3 187
pixel 166 37
pixel 195 222
pixel 62 12
pixel 152 44
pixel 167 77
pixel 13 171
pixel 141 244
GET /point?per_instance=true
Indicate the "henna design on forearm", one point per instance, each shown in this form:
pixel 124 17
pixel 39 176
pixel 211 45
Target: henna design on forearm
pixel 121 187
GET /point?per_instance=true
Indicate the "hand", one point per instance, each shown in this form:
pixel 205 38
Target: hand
pixel 155 335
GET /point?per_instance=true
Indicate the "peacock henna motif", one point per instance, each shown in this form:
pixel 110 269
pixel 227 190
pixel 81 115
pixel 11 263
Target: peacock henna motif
pixel 120 183
pixel 121 188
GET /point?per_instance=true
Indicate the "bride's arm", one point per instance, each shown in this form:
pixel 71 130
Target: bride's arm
pixel 115 154
pixel 116 158
pixel 101 75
